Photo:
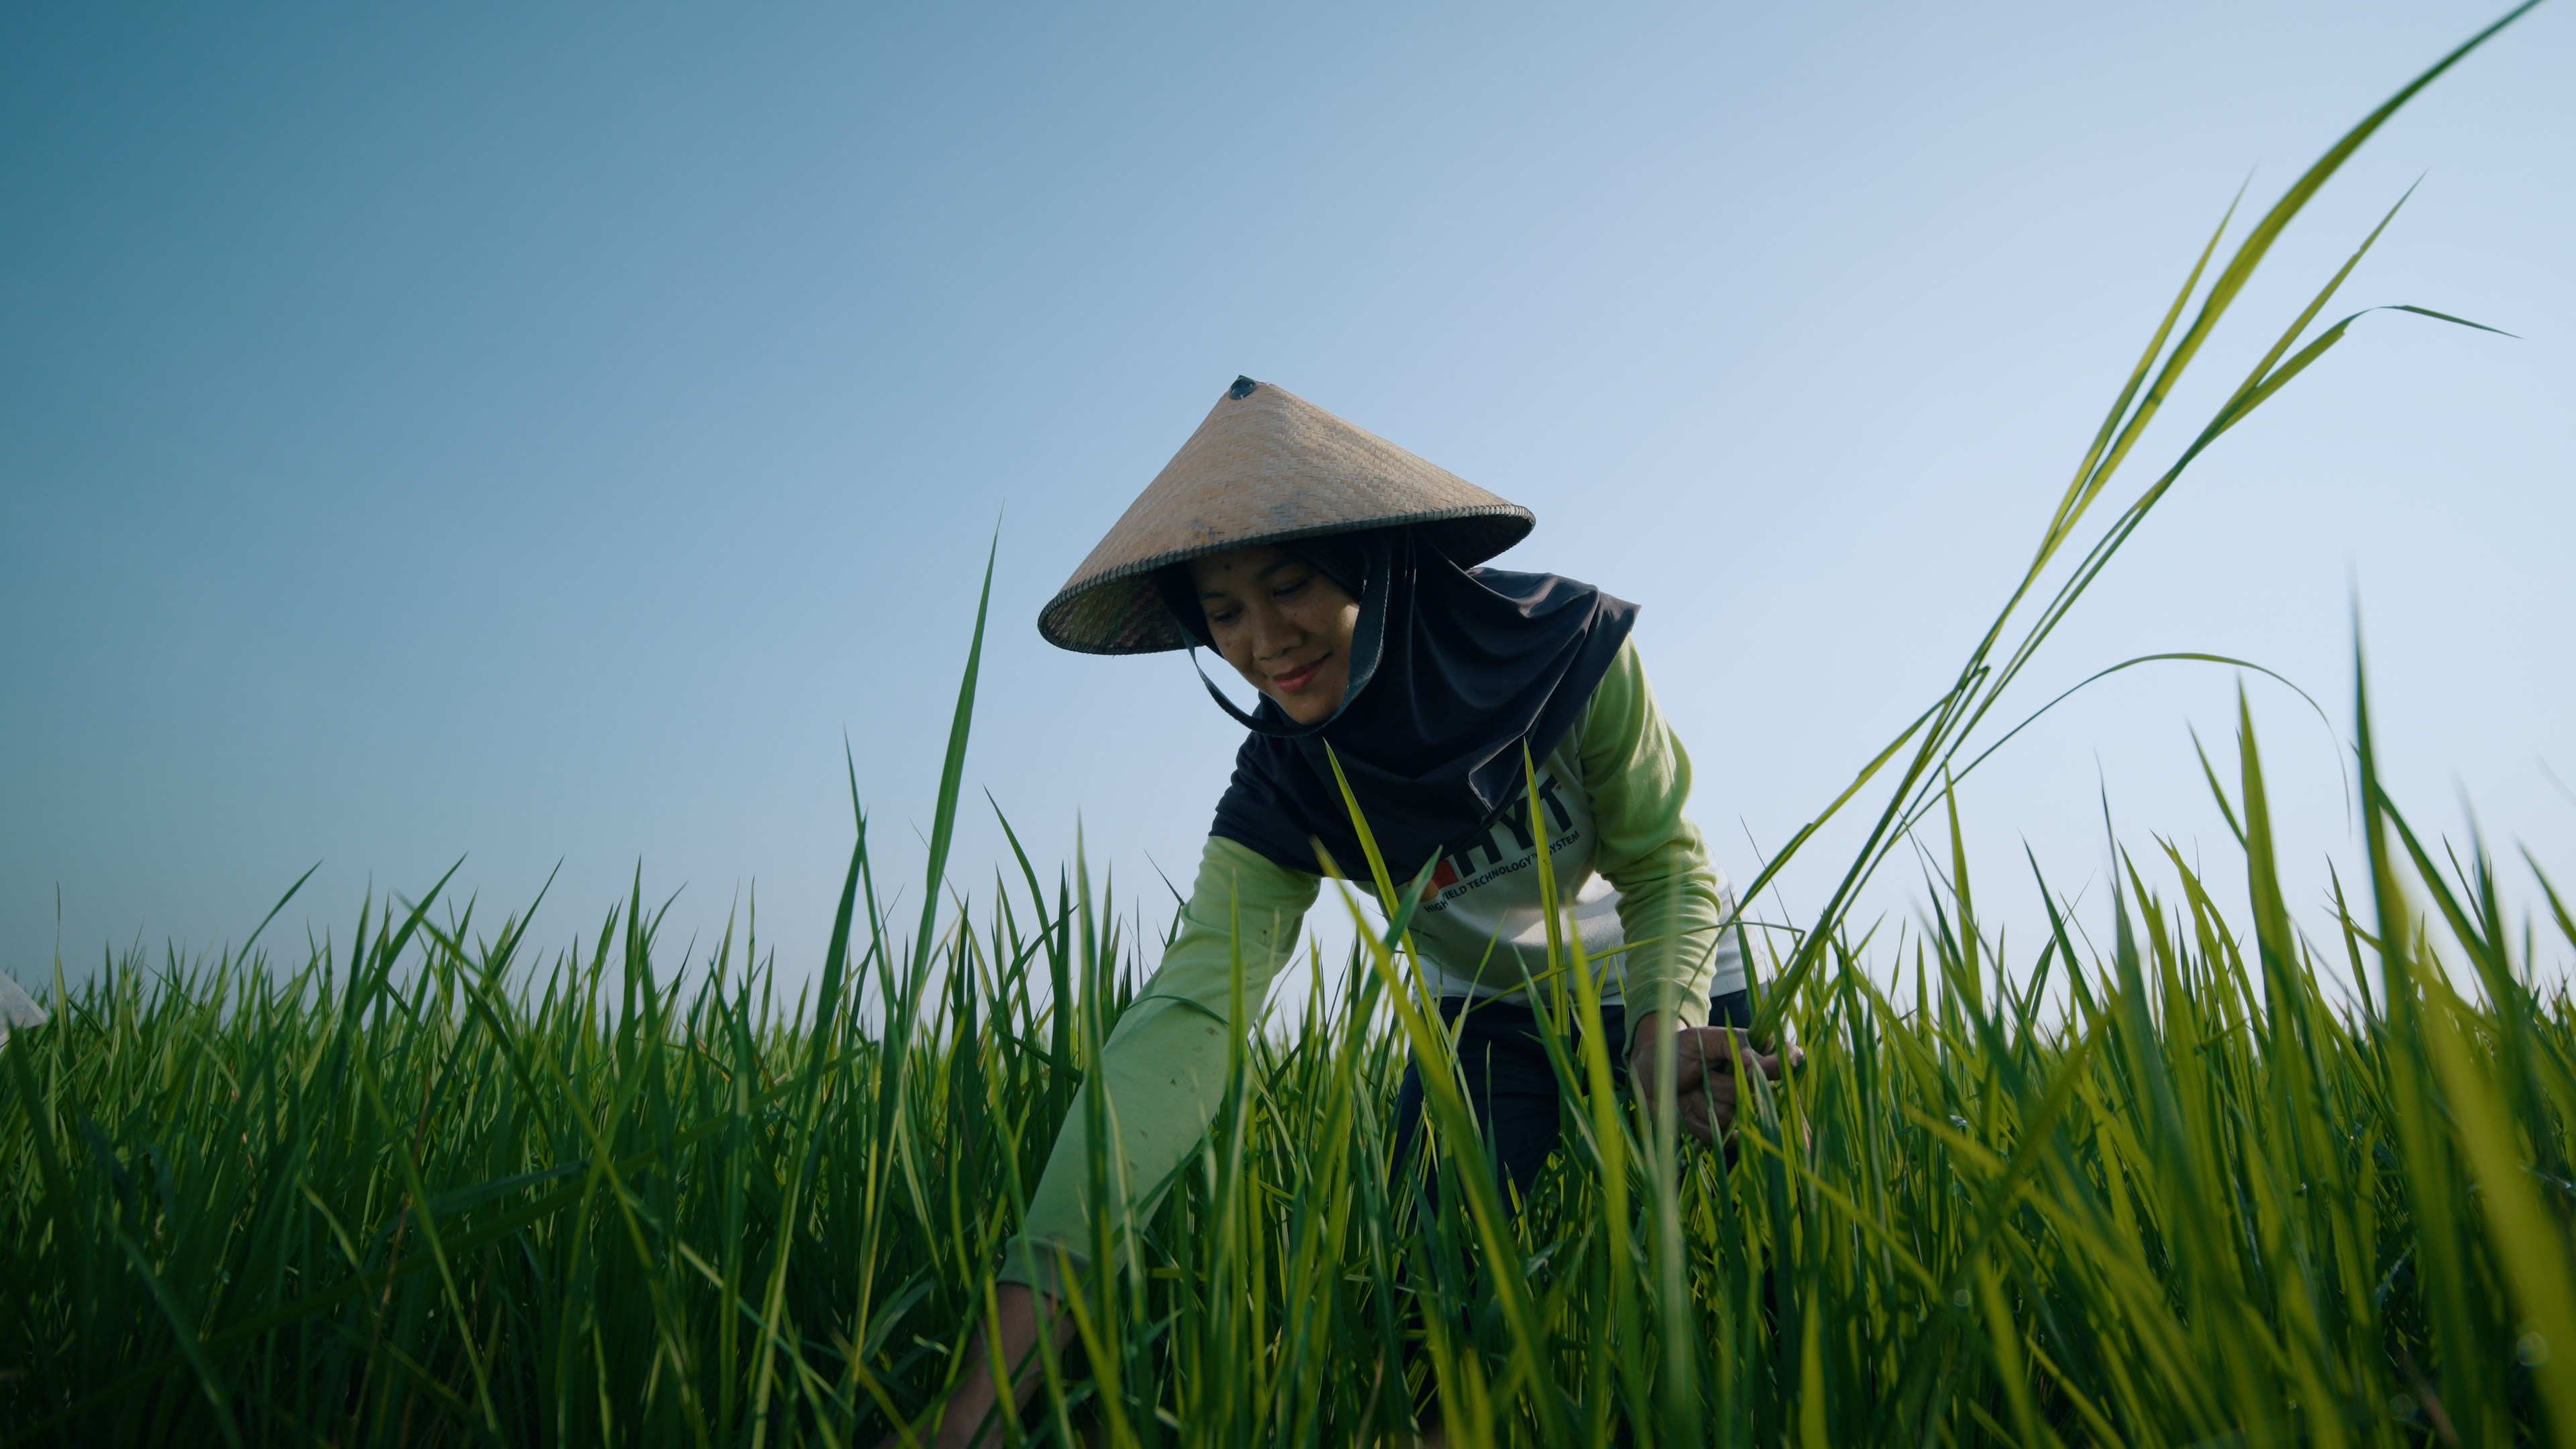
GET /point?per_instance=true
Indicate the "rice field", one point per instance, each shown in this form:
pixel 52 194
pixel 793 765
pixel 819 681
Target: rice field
pixel 2173 1179
pixel 423 1188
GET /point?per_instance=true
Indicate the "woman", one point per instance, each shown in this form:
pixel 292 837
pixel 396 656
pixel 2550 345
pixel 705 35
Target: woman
pixel 1335 572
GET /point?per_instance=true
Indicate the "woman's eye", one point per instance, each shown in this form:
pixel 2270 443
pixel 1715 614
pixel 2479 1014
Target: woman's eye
pixel 1287 590
pixel 1223 616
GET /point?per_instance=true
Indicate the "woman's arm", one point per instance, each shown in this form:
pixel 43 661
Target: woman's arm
pixel 1670 895
pixel 1671 900
pixel 967 1420
pixel 1163 1069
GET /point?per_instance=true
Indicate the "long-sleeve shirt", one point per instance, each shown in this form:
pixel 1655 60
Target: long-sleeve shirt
pixel 1633 878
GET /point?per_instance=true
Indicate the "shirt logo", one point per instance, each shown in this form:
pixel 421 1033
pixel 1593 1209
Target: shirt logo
pixel 1458 871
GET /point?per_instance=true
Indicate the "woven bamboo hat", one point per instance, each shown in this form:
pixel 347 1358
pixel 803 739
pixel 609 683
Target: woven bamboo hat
pixel 1266 466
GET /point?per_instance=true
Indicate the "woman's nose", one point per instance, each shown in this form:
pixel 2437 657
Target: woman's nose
pixel 1273 632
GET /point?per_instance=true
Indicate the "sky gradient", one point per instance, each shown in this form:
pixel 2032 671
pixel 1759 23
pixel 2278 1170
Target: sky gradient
pixel 540 436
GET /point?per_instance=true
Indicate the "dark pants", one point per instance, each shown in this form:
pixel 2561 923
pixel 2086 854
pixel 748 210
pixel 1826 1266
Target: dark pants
pixel 1513 1092
pixel 1511 1086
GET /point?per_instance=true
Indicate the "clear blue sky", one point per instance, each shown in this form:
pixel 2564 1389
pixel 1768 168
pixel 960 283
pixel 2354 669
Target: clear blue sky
pixel 544 433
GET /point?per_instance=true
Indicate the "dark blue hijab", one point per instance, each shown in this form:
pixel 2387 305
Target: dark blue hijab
pixel 1453 672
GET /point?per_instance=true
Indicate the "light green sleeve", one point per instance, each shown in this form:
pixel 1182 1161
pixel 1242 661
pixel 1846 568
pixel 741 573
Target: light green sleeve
pixel 1670 900
pixel 1163 1069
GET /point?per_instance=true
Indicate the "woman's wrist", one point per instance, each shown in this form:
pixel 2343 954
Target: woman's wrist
pixel 1654 1026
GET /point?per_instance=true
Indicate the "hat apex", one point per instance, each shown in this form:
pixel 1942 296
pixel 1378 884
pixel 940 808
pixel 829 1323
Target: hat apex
pixel 1265 466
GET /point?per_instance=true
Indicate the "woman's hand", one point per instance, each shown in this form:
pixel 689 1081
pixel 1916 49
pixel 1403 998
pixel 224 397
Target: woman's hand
pixel 1704 1060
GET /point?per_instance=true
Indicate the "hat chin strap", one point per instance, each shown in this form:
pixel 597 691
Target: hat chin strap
pixel 1368 646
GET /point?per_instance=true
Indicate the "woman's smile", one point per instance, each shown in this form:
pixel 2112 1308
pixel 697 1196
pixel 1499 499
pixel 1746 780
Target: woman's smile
pixel 1292 681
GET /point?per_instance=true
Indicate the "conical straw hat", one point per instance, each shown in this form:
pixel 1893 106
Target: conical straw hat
pixel 1266 466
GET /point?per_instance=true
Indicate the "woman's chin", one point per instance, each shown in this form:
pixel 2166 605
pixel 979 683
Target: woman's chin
pixel 1307 707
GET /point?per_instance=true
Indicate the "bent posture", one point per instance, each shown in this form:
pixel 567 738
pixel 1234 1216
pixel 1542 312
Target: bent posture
pixel 1337 574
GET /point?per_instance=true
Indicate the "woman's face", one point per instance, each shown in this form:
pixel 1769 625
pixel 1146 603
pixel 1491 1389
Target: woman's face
pixel 1282 625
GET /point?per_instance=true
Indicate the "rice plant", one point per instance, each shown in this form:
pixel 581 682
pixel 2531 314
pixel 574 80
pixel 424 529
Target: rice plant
pixel 422 1189
pixel 2165 1182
